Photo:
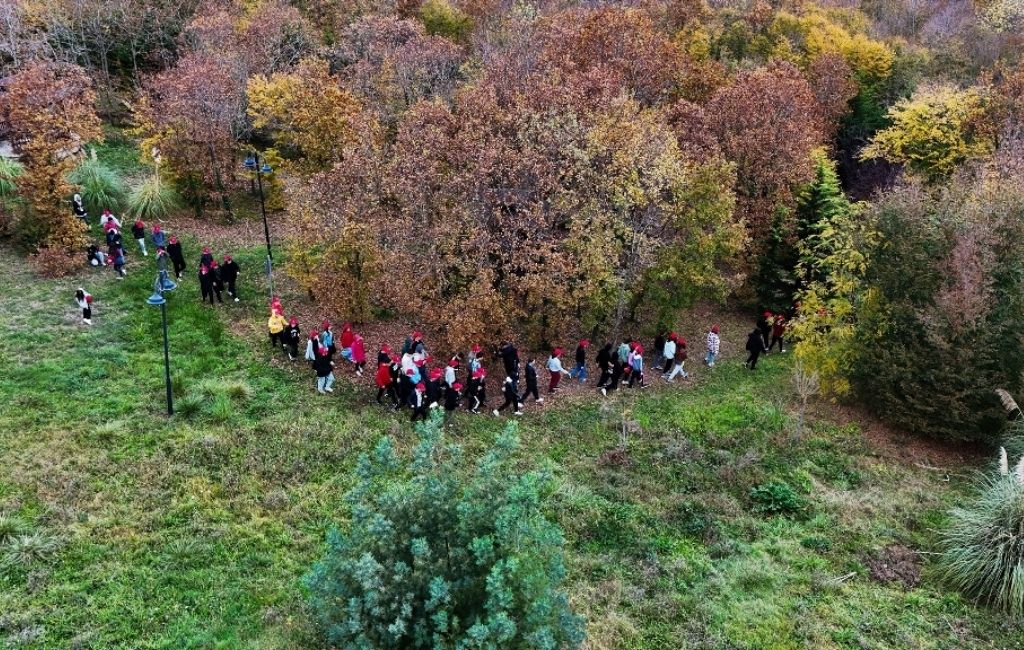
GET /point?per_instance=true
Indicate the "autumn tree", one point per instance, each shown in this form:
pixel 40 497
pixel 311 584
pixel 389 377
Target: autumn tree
pixel 307 111
pixel 193 114
pixel 49 111
pixel 767 123
pixel 933 132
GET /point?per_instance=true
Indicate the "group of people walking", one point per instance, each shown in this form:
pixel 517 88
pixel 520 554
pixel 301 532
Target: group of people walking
pixel 769 331
pixel 410 377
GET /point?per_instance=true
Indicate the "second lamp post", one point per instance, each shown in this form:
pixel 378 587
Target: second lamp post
pixel 252 163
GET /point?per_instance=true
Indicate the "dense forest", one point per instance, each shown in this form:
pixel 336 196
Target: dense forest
pixel 550 170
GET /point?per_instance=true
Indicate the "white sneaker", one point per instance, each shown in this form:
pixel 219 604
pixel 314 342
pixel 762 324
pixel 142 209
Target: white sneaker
pixel 329 390
pixel 320 391
pixel 236 299
pixel 518 413
pixel 540 400
pixel 87 321
pixel 604 391
pixel 145 254
pixel 495 411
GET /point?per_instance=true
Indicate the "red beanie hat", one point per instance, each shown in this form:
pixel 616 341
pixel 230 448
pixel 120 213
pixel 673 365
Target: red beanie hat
pixel 227 258
pixel 672 336
pixel 479 374
pixel 293 321
pixel 767 314
pixel 436 373
pixel 421 386
pixel 475 348
pixel 346 326
pixel 457 386
pixel 714 329
pixel 416 335
pixel 557 352
pixel 206 249
pixel 156 228
pixel 410 372
pixel 682 341
pixel 584 343
pixel 454 363
pixel 325 324
pixel 386 349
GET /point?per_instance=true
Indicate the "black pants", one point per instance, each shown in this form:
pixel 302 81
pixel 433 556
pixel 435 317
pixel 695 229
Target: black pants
pixel 636 376
pixel 293 349
pixel 277 338
pixel 606 375
pixel 530 390
pixel 208 293
pixel 751 361
pixel 216 290
pixel 616 378
pixel 87 313
pixel 179 266
pixel 510 401
pixel 419 412
pixel 231 289
pixel 777 339
pixel 668 366
pixel 360 366
pixel 388 390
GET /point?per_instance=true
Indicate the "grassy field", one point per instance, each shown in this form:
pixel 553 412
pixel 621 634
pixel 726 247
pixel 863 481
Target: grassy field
pixel 718 527
pixel 139 532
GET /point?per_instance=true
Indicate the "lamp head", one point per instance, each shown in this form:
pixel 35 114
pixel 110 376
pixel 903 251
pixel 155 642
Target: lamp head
pixel 250 163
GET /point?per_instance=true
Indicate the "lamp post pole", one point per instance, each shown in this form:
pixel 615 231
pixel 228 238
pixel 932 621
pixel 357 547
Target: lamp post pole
pixel 160 285
pixel 253 164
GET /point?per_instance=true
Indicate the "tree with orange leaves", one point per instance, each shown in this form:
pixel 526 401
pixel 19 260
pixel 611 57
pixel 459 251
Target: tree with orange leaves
pixel 49 110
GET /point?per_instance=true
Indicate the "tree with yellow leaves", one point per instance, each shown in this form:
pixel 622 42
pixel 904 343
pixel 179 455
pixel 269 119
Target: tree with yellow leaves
pixel 307 111
pixel 933 132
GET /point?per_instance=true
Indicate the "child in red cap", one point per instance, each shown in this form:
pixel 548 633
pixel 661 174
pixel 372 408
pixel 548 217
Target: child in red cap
pixel 418 402
pixel 556 369
pixel 580 369
pixel 84 300
pixel 229 272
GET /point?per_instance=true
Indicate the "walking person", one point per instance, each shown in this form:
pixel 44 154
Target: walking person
pixel 358 353
pixel 618 370
pixel 276 325
pixel 139 233
pixel 508 389
pixel 174 250
pixel 405 387
pixel 229 272
pixel 636 366
pixel 452 398
pixel 205 283
pixel 476 391
pixel 113 244
pixel 556 370
pixel 579 371
pixel 119 263
pixel 345 341
pixel 604 364
pixel 218 282
pixel 78 208
pixel 385 384
pixel 159 238
pixel 668 353
pixel 473 359
pixel 778 333
pixel 324 368
pixel 418 402
pixel 84 300
pixel 755 346
pixel 678 361
pixel 451 371
pixel 108 220
pixel 531 383
pixel 206 258
pixel 510 360
pixel 327 333
pixel 713 342
pixel 434 388
pixel 291 338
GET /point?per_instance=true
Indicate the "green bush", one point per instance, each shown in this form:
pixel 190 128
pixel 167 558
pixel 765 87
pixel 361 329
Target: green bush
pixel 777 498
pixel 99 186
pixel 152 199
pixel 434 559
pixel 983 545
pixel 442 19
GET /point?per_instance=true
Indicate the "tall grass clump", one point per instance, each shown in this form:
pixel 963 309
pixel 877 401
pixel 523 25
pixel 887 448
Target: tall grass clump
pixel 101 188
pixel 10 170
pixel 152 199
pixel 983 545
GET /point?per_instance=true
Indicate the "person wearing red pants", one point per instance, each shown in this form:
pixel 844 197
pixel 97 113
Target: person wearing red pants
pixel 556 369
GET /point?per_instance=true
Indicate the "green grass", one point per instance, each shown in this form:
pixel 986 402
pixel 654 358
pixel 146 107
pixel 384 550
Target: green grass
pixel 142 532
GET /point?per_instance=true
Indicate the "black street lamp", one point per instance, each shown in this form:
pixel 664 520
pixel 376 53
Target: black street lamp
pixel 160 285
pixel 252 163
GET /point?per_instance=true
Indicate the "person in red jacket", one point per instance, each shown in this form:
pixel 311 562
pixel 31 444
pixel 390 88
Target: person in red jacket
pixel 345 340
pixel 778 332
pixel 358 352
pixel 385 384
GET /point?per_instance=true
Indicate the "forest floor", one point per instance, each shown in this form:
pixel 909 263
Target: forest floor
pixel 142 531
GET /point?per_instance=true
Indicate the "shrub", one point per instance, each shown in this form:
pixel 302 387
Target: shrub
pixel 435 559
pixel 983 545
pixel 10 170
pixel 442 19
pixel 55 263
pixel 777 498
pixel 152 199
pixel 24 550
pixel 10 528
pixel 100 187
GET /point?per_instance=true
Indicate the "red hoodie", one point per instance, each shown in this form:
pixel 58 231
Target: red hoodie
pixel 358 349
pixel 346 338
pixel 383 375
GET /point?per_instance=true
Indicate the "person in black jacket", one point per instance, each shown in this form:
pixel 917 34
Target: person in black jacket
pixel 418 402
pixel 604 363
pixel 433 388
pixel 579 370
pixel 207 257
pixel 405 386
pixel 764 327
pixel 229 271
pixel 510 360
pixel 205 283
pixel 531 383
pixel 218 282
pixel 476 391
pixel 323 365
pixel 508 389
pixel 78 208
pixel 177 256
pixel 291 338
pixel 139 233
pixel 755 346
pixel 452 398
pixel 618 369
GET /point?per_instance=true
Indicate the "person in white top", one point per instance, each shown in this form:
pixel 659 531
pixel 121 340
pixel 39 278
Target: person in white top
pixel 84 300
pixel 713 343
pixel 668 353
pixel 556 369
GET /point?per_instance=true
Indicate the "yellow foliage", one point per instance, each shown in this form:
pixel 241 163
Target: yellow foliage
pixel 307 110
pixel 813 33
pixel 933 132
